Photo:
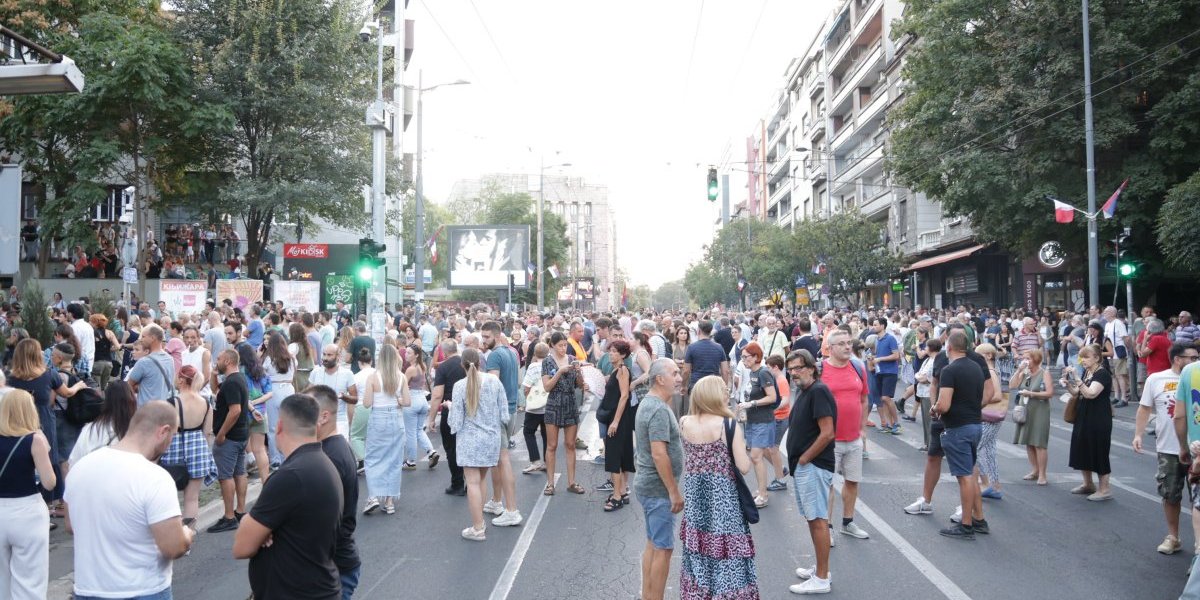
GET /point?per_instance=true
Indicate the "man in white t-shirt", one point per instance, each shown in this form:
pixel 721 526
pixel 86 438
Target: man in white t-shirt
pixel 341 380
pixel 1158 398
pixel 124 512
pixel 1116 331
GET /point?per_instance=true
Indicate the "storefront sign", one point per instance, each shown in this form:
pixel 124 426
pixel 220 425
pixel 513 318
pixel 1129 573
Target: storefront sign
pixel 1051 255
pixel 306 250
pixel 802 296
pixel 1030 293
pixel 183 295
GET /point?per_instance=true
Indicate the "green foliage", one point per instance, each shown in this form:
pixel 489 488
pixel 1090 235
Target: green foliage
pixel 102 303
pixel 851 249
pixel 1176 228
pixel 296 80
pixel 992 119
pixel 35 317
pixel 672 294
pixel 706 286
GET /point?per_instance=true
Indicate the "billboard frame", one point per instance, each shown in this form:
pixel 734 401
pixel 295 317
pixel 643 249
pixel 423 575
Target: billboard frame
pixel 521 274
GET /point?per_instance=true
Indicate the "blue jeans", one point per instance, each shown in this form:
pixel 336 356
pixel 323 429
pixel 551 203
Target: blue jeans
pixel 163 595
pixel 272 406
pixel 414 426
pixel 350 581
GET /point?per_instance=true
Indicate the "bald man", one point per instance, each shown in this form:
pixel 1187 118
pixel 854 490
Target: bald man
pixel 339 378
pixel 124 511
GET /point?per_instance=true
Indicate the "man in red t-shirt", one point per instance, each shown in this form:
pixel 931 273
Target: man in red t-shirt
pixel 848 383
pixel 1152 347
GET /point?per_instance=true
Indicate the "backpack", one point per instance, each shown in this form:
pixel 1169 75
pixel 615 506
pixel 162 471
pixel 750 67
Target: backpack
pixel 84 406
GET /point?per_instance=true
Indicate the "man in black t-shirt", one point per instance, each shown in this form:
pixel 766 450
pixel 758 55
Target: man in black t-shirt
pixel 361 340
pixel 231 426
pixel 345 554
pixel 299 511
pixel 959 401
pixel 933 462
pixel 806 340
pixel 448 372
pixel 811 460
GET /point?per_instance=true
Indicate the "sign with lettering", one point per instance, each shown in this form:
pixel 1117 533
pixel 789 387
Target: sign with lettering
pixel 183 295
pixel 242 292
pixel 298 295
pixel 306 250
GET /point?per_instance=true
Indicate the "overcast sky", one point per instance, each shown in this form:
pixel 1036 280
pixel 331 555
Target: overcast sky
pixel 640 96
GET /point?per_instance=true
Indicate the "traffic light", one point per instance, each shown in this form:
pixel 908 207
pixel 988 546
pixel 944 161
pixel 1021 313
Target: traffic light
pixel 512 286
pixel 369 259
pixel 713 188
pixel 1127 265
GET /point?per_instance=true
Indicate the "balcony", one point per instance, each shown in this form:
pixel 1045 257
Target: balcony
pixel 857 72
pixel 928 240
pixel 875 107
pixel 815 169
pixel 876 199
pixel 817 85
pixel 840 136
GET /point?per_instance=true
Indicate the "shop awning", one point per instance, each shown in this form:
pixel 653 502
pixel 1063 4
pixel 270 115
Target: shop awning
pixel 943 258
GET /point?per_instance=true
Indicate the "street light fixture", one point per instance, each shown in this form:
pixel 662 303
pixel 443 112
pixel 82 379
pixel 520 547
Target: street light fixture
pixel 541 295
pixel 419 239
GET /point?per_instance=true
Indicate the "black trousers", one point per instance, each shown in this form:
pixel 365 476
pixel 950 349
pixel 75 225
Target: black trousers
pixel 529 428
pixel 448 446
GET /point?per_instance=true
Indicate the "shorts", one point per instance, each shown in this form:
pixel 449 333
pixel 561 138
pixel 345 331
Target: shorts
pixel 811 484
pixel 1171 478
pixel 781 427
pixel 660 521
pixel 886 384
pixel 760 435
pixel 936 427
pixel 961 447
pixel 848 457
pixel 1120 366
pixel 230 458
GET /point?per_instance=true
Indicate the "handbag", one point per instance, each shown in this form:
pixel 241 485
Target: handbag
pixel 537 397
pixel 179 473
pixel 745 498
pixel 1020 412
pixel 1072 406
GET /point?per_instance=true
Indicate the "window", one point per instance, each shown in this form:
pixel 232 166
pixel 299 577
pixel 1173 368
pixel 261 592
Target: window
pixel 112 207
pixel 902 220
pixel 31 194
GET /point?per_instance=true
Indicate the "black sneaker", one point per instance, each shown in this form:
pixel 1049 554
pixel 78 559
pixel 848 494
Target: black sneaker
pixel 223 524
pixel 457 491
pixel 959 531
pixel 980 526
pixel 238 515
pixel 607 486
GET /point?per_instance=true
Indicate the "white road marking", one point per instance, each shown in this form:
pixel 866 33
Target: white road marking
pixel 513 566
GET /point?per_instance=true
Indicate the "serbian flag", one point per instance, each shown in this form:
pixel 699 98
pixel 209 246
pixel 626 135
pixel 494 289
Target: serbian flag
pixel 553 270
pixel 1063 212
pixel 1110 207
pixel 431 245
pixel 530 268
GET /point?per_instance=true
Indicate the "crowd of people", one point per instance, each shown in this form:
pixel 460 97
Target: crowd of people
pixel 104 427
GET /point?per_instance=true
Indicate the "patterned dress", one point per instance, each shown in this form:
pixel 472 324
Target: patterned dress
pixel 718 552
pixel 561 410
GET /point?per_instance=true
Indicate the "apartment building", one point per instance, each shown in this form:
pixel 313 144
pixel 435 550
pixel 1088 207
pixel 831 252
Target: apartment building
pixel 822 147
pixel 591 231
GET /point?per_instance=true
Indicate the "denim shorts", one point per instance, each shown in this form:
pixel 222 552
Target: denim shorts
pixel 230 458
pixel 660 521
pixel 810 484
pixel 781 427
pixel 961 446
pixel 760 435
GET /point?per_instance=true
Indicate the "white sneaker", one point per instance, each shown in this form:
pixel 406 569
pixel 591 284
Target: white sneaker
pixel 957 516
pixel 493 507
pixel 804 573
pixel 813 585
pixel 853 530
pixel 508 519
pixel 371 506
pixel 920 507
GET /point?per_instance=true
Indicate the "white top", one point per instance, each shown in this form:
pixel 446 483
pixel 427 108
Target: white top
pixel 278 378
pixel 195 358
pixel 340 381
pixel 91 438
pixel 115 496
pixel 87 338
pixel 1159 394
pixel 1116 331
pixel 383 399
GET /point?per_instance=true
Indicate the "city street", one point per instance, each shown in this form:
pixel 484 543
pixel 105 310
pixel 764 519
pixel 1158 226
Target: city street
pixel 1044 542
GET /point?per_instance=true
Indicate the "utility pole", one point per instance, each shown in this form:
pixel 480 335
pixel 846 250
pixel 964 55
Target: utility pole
pixel 419 177
pixel 541 269
pixel 724 199
pixel 399 64
pixel 377 120
pixel 1092 242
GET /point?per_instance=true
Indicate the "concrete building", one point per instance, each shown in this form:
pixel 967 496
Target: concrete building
pixel 591 230
pixel 821 150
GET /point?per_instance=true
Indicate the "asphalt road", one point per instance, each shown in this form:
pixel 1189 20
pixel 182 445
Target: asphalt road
pixel 1045 542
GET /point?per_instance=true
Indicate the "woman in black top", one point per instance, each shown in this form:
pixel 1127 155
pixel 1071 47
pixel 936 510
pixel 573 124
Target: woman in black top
pixel 1091 436
pixel 618 441
pixel 106 340
pixel 30 373
pixel 25 531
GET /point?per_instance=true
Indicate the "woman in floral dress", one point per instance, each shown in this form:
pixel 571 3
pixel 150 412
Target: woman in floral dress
pixel 718 552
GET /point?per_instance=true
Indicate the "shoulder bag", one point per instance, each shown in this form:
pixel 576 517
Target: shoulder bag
pixel 179 473
pixel 537 396
pixel 745 498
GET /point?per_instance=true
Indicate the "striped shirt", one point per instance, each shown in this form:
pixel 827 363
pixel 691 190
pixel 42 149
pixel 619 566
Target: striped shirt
pixel 1024 341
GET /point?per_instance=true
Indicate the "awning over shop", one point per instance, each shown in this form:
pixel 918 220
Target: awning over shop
pixel 943 258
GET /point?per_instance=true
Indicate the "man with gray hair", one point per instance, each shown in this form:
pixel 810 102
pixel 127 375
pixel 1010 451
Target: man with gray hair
pixel 658 344
pixel 153 376
pixel 659 461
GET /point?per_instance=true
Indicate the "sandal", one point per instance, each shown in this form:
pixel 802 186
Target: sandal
pixel 760 501
pixel 625 498
pixel 1083 490
pixel 613 503
pixel 1031 476
pixel 575 488
pixel 549 491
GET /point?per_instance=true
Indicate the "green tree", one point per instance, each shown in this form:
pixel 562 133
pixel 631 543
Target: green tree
pixel 992 119
pixel 1176 227
pixel 850 247
pixel 296 80
pixel 672 294
pixel 706 286
pixel 758 250
pixel 35 318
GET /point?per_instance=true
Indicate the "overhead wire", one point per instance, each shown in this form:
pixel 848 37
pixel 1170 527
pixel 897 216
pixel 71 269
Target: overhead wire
pixel 449 39
pixel 687 78
pixel 492 39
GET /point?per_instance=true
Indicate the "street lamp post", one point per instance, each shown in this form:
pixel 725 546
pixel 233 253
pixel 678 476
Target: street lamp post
pixel 379 122
pixel 541 268
pixel 418 168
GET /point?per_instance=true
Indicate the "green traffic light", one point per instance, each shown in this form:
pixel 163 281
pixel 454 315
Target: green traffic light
pixel 366 273
pixel 712 192
pixel 1127 269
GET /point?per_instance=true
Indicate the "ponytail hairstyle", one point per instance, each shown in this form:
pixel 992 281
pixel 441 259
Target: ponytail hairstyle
pixel 471 359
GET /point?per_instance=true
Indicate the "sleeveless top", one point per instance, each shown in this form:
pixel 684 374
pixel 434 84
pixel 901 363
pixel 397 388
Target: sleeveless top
pixel 417 383
pixel 194 358
pixel 103 347
pixel 183 429
pixel 383 400
pixel 17 480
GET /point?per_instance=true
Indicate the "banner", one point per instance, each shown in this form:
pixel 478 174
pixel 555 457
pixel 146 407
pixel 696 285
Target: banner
pixel 182 295
pixel 338 287
pixel 298 295
pixel 243 292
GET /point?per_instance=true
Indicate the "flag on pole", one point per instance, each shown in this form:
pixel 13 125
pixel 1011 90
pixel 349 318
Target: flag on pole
pixel 818 269
pixel 530 268
pixel 1063 212
pixel 431 245
pixel 1110 207
pixel 553 270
